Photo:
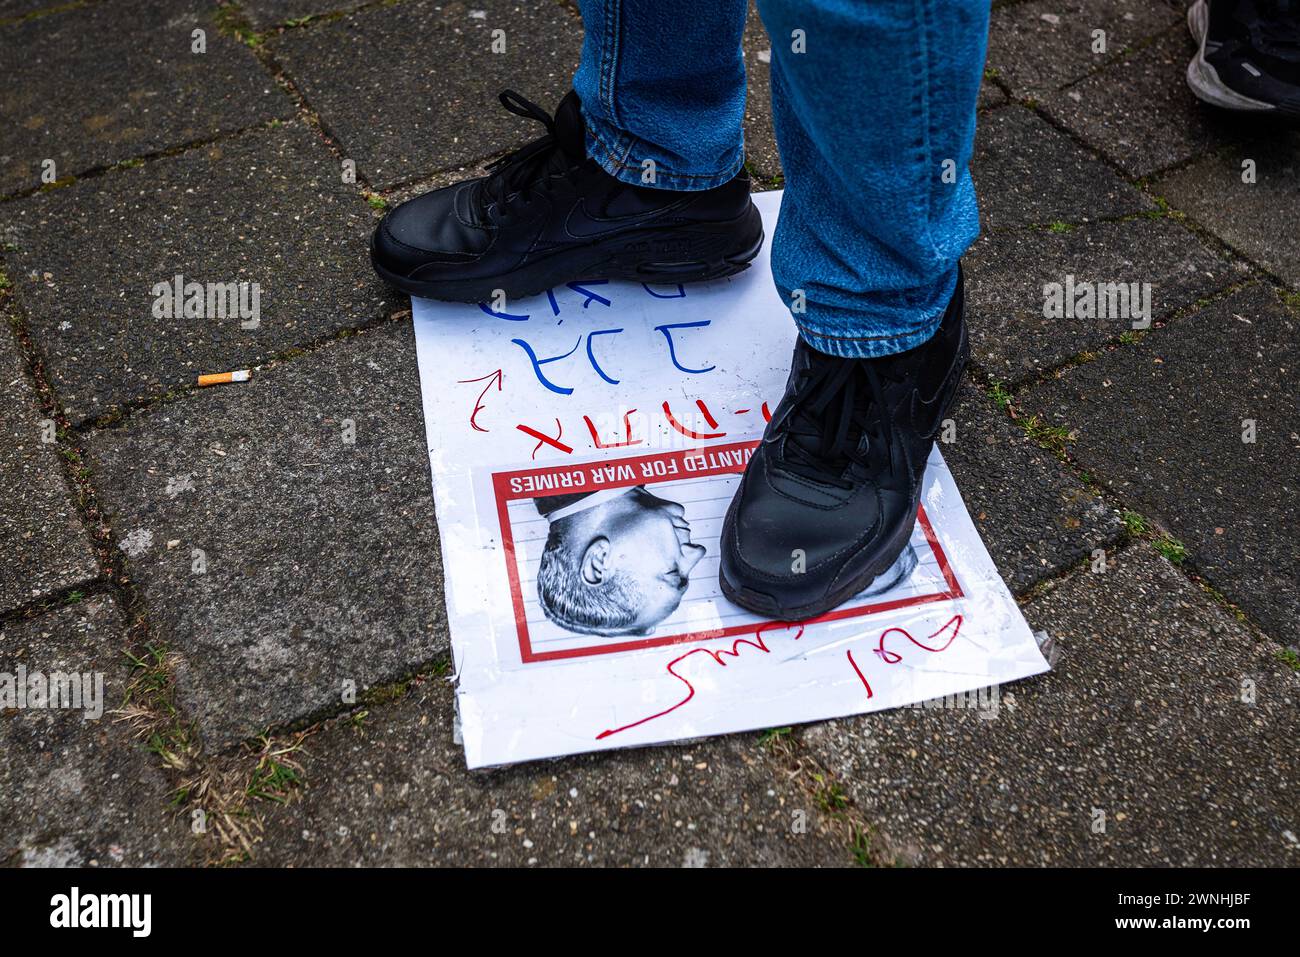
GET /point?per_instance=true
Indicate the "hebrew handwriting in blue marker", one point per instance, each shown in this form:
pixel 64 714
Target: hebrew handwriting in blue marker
pixel 592 356
pixel 510 317
pixel 538 363
pixel 672 348
pixel 581 289
pixel 680 294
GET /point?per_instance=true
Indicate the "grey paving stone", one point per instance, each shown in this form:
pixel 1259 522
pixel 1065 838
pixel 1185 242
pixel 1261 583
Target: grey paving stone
pixel 1026 172
pixel 86 92
pixel 266 207
pixel 263 14
pixel 322 563
pixel 412 89
pixel 991 95
pixel 1162 424
pixel 401 194
pixel 760 136
pixel 1142 721
pixel 43 545
pixel 78 792
pixel 1258 219
pixel 18 8
pixel 1006 274
pixel 1035 519
pixel 393 790
pixel 1038 47
pixel 1139 112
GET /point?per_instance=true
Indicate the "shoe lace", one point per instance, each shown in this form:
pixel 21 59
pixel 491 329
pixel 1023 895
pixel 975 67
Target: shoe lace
pixel 839 402
pixel 517 174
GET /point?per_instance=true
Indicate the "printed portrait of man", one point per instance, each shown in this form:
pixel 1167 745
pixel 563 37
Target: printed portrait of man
pixel 616 561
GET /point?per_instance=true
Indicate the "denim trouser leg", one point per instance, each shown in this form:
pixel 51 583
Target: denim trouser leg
pixel 664 80
pixel 875 121
pixel 874 105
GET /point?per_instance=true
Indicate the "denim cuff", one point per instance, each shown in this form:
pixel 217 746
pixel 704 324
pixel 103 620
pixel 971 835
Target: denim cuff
pixel 879 325
pixel 621 155
pixel 867 347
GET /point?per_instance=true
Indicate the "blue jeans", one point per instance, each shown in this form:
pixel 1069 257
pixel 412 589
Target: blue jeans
pixel 874 107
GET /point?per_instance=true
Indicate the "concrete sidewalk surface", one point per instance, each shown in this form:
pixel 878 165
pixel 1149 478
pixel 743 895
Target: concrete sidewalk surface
pixel 215 563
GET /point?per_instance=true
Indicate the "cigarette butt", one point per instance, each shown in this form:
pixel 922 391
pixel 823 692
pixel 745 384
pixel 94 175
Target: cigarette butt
pixel 220 378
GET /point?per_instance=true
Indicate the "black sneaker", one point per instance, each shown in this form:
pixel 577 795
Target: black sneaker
pixel 1249 56
pixel 547 214
pixel 829 499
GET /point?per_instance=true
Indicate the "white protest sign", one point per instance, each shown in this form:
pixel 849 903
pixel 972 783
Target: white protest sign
pixel 623 414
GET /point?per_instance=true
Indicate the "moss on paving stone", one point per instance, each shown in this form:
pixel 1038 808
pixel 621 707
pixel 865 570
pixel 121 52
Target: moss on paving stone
pixel 230 670
pixel 321 569
pixel 1154 686
pixel 1166 425
pixel 1039 47
pixel 297 13
pixel 1008 275
pixel 44 549
pixel 76 792
pixel 394 790
pixel 1247 195
pixel 403 125
pixel 130 93
pixel 1139 112
pixel 1028 173
pixel 1035 518
pixel 267 207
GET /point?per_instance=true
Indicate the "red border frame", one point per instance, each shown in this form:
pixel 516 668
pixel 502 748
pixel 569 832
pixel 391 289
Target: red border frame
pixel 501 489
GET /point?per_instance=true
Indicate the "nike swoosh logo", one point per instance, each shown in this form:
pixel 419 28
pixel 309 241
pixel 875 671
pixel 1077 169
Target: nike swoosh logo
pixel 582 225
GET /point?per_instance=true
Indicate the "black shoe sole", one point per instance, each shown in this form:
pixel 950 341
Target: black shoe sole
pixel 689 254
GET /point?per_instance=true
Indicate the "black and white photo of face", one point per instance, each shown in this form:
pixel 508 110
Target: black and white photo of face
pixel 619 567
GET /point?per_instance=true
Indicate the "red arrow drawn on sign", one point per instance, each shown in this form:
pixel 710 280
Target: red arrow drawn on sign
pixel 499 376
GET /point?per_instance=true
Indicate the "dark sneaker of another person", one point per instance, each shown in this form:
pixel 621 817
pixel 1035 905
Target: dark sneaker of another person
pixel 547 214
pixel 829 499
pixel 1249 56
